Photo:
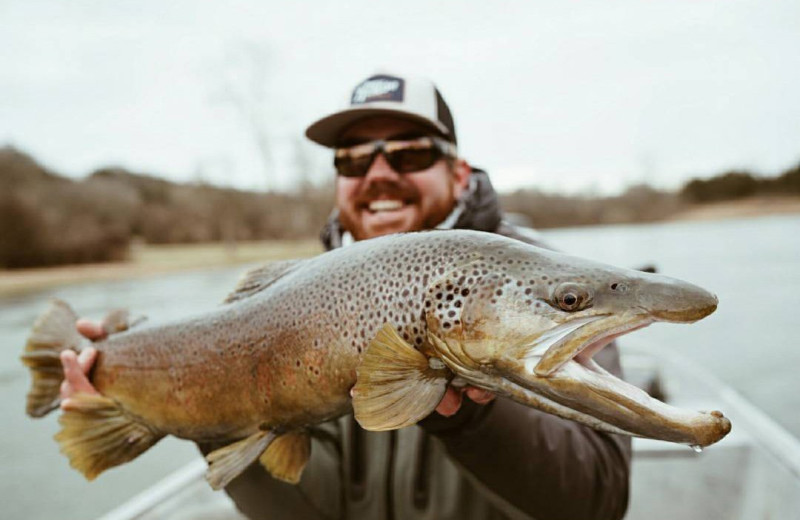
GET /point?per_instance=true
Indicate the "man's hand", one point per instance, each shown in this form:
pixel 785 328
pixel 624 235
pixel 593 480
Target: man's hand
pixel 451 402
pixel 77 367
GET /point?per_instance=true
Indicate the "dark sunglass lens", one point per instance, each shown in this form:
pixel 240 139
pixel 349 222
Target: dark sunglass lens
pixel 353 166
pixel 413 159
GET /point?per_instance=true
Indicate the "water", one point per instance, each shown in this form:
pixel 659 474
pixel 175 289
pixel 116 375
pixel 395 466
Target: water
pixel 750 342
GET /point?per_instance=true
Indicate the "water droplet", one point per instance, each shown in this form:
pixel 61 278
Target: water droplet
pixel 697 448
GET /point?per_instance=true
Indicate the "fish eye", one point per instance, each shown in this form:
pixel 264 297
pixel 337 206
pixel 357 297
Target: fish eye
pixel 572 297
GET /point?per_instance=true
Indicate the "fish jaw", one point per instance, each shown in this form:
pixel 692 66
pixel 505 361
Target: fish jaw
pixel 579 389
pixel 575 387
pixel 584 392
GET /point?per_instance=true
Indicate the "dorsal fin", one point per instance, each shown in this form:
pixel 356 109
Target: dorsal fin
pixel 262 277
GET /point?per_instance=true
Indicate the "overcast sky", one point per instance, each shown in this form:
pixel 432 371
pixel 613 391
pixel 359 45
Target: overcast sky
pixel 565 96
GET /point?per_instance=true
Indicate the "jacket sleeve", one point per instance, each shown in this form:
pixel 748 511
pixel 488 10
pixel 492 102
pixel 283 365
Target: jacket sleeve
pixel 544 466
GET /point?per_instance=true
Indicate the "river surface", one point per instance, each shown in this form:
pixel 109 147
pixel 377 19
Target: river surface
pixel 751 343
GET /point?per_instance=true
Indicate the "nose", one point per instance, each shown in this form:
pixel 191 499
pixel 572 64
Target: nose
pixel 380 170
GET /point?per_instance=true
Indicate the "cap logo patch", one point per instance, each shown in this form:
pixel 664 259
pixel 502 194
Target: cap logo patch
pixel 378 88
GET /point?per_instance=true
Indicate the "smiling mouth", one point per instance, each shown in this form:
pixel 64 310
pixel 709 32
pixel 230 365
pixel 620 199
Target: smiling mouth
pixel 379 206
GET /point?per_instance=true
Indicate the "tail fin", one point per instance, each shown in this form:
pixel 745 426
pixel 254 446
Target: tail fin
pixel 53 332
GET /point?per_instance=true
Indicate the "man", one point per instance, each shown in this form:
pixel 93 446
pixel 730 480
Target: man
pixel 480 457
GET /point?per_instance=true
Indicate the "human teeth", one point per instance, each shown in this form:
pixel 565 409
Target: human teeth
pixel 385 205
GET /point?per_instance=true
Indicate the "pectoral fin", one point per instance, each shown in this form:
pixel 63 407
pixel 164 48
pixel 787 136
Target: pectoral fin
pixel 227 463
pixel 286 456
pixel 396 385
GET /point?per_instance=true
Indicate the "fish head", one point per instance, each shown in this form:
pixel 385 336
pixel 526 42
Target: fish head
pixel 525 322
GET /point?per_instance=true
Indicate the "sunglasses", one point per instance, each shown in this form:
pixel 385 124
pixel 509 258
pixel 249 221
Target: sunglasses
pixel 404 156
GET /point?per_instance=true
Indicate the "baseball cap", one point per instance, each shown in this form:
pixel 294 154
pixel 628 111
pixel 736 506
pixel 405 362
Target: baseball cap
pixel 412 98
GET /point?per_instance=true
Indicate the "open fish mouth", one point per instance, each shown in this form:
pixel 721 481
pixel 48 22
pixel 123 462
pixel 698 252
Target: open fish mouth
pixel 556 373
pixel 577 340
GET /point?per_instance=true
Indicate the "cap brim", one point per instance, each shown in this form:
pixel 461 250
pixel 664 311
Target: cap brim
pixel 327 130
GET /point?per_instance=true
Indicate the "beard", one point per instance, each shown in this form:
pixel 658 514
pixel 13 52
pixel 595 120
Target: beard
pixel 416 212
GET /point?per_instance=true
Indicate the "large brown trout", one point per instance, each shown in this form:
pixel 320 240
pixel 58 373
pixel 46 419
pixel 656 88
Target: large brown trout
pixel 395 320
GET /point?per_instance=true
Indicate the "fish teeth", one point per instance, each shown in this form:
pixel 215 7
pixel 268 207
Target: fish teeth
pixel 385 205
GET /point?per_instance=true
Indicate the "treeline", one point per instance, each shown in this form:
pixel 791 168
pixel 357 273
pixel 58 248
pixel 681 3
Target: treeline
pixel 741 184
pixel 643 203
pixel 46 219
pixel 638 204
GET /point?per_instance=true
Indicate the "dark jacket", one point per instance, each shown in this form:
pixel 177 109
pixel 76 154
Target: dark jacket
pixel 501 460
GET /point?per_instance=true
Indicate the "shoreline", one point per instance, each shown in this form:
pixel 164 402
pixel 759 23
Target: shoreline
pixel 153 260
pixel 744 208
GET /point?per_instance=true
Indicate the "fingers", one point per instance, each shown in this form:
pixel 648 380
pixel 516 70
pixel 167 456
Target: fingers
pixel 75 370
pixel 450 403
pixel 86 359
pixel 77 367
pixel 479 395
pixel 92 330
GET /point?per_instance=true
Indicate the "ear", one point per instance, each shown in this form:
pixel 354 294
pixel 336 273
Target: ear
pixel 461 172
